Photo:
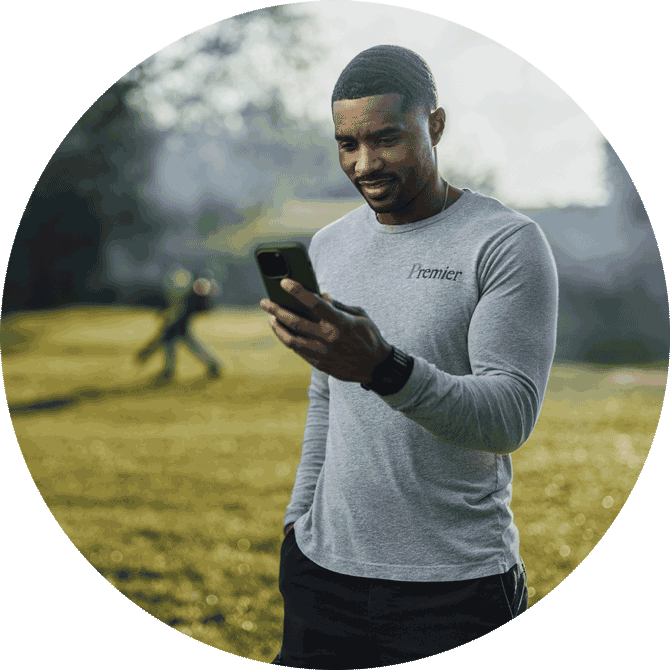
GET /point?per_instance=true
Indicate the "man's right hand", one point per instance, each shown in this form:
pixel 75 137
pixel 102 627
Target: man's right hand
pixel 287 529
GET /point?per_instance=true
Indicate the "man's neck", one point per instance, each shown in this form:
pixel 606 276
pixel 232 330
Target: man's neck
pixel 431 204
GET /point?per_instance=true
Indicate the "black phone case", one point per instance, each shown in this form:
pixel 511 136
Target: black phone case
pixel 299 269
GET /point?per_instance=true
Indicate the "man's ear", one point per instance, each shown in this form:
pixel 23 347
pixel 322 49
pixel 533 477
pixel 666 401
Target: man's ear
pixel 437 123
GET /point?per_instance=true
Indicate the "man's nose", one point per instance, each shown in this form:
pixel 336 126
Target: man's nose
pixel 368 162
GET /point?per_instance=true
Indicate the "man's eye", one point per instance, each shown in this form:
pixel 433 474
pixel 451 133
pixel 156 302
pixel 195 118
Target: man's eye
pixel 347 146
pixel 388 140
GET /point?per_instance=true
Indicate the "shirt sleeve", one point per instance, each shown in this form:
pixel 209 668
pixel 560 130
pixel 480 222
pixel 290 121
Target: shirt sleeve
pixel 511 344
pixel 313 448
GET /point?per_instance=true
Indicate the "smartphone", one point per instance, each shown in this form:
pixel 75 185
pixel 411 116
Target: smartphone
pixel 286 259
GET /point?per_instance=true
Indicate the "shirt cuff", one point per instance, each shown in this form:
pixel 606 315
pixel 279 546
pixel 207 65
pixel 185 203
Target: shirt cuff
pixel 402 400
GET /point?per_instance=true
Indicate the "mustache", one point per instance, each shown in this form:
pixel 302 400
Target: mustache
pixel 378 176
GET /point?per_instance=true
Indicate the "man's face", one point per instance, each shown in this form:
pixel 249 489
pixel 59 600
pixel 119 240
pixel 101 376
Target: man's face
pixel 386 152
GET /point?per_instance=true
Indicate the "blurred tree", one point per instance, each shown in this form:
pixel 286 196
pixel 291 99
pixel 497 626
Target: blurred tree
pixel 86 191
pixel 205 81
pixel 91 191
pixel 623 193
pixel 622 319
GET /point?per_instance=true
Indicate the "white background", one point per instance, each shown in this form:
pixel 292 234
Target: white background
pixel 57 58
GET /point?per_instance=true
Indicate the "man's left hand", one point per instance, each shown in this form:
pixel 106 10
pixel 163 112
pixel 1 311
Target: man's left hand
pixel 344 344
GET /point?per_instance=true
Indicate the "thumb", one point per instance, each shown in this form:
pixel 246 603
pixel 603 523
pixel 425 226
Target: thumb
pixel 326 297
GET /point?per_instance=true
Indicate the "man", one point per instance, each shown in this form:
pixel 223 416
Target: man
pixel 178 325
pixel 400 541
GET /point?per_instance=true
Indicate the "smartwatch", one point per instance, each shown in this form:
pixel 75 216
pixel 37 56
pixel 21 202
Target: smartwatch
pixel 391 374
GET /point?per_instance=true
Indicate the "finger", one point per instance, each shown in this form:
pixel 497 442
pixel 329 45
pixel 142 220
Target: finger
pixel 287 338
pixel 293 321
pixel 319 307
pixel 323 330
pixel 304 347
pixel 294 289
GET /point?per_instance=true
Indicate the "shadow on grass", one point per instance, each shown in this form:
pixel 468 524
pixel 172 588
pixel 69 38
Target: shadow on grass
pixel 233 387
pixel 89 393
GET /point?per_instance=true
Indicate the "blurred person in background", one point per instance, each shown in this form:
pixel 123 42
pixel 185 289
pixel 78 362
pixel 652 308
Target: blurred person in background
pixel 187 298
pixel 399 537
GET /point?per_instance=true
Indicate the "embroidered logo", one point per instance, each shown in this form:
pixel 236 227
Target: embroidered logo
pixel 418 272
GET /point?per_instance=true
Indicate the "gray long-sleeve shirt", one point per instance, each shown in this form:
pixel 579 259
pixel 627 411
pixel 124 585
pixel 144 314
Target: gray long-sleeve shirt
pixel 416 486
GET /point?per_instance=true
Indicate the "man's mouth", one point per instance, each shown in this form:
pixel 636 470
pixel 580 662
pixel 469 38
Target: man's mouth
pixel 376 188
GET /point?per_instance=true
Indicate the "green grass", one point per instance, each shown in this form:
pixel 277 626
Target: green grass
pixel 176 495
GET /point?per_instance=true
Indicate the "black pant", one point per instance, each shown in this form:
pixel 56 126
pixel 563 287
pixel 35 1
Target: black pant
pixel 339 622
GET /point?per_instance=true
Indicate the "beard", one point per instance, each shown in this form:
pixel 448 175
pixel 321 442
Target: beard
pixel 393 198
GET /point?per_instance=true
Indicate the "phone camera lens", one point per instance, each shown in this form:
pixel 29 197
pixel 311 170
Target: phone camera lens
pixel 273 264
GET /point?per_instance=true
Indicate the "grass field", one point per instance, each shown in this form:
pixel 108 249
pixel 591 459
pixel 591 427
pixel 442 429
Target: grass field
pixel 176 494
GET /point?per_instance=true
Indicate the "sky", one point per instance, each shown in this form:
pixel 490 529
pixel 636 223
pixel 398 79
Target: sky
pixel 503 112
pixel 610 61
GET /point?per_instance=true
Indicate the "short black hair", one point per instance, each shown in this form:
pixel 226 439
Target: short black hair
pixel 385 69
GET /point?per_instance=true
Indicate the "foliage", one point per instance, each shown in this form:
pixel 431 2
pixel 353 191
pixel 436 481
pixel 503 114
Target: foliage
pixel 85 194
pixel 207 79
pixel 176 495
pixel 93 191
